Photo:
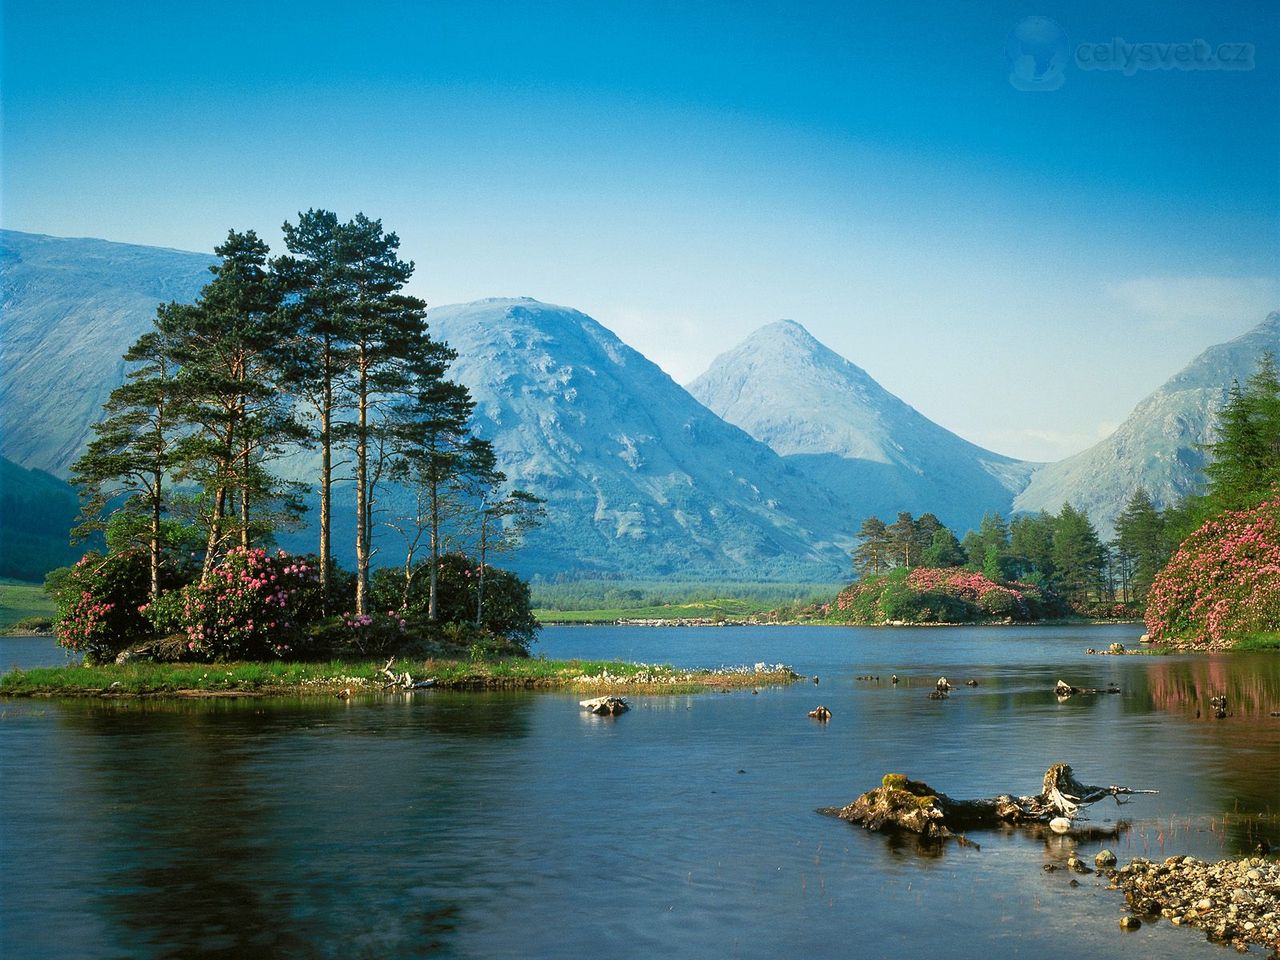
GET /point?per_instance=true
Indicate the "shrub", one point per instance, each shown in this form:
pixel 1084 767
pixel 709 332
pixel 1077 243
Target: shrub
pixel 99 603
pixel 1223 582
pixel 255 605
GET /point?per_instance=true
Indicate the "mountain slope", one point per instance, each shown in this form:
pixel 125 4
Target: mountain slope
pixel 68 309
pixel 1157 447
pixel 639 477
pixel 833 421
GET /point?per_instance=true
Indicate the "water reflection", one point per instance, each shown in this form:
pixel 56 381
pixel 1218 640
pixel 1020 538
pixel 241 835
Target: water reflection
pixel 517 825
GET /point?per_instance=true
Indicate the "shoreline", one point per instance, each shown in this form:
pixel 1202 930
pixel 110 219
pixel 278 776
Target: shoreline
pixel 143 680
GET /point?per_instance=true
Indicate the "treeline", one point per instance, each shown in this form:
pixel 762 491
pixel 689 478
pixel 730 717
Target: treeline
pixel 1061 552
pixel 318 348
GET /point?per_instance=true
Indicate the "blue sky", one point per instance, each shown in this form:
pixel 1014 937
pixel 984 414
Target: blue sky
pixel 1021 266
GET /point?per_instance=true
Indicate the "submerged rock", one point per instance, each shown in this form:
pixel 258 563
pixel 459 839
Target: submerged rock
pixel 820 713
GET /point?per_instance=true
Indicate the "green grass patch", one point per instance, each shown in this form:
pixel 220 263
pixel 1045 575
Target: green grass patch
pixel 21 601
pixel 724 608
pixel 287 678
pixel 1258 641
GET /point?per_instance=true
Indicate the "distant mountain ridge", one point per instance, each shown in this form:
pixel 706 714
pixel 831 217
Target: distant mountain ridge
pixel 642 478
pixel 832 420
pixel 636 472
pixel 69 308
pixel 1159 445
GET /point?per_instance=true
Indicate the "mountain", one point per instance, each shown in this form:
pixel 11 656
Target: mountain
pixel 1158 446
pixel 68 309
pixel 837 425
pixel 37 512
pixel 639 477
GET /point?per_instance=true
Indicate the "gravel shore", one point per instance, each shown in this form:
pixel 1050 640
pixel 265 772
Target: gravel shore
pixel 1235 902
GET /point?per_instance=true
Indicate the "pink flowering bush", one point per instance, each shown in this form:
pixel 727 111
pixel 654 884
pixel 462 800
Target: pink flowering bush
pixel 254 606
pixel 1223 581
pixel 98 605
pixel 942 595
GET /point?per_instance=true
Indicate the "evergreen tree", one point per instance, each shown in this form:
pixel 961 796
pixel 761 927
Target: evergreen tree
pixel 1245 458
pixel 131 454
pixel 228 349
pixel 1142 549
pixel 1031 546
pixel 872 555
pixel 904 541
pixel 944 551
pixel 1078 555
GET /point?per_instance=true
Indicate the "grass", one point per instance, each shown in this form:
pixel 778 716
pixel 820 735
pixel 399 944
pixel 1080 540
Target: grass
pixel 257 679
pixel 19 601
pixel 728 608
pixel 1258 641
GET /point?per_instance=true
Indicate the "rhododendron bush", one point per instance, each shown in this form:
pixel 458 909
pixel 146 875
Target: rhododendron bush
pixel 254 605
pixel 942 595
pixel 1223 582
pixel 98 604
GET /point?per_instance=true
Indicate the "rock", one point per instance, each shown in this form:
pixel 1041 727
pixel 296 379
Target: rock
pixel 815 681
pixel 1130 923
pixel 937 694
pixel 1076 865
pixel 1116 649
pixel 943 684
pixel 1060 825
pixel 1145 638
pixel 971 683
pixel 1064 689
pixel 893 679
pixel 1105 858
pixel 344 693
pixel 820 713
pixel 605 706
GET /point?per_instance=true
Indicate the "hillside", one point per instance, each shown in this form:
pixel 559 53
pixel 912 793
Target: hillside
pixel 68 309
pixel 1159 444
pixel 840 427
pixel 638 475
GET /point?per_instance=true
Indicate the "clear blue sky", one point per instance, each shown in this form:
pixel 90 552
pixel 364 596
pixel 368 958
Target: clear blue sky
pixel 1022 266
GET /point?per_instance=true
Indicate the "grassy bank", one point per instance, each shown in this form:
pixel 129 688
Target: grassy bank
pixel 22 601
pixel 603 601
pixel 281 678
pixel 727 610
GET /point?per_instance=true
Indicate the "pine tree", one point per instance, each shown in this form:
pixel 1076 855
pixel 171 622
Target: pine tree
pixel 872 555
pixel 1031 546
pixel 1141 545
pixel 132 452
pixel 228 348
pixel 904 541
pixel 944 551
pixel 1078 554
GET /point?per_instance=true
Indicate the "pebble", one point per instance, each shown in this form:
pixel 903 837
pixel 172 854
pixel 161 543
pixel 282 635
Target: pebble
pixel 1235 902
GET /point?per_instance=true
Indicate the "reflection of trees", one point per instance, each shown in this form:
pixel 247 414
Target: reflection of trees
pixel 1251 683
pixel 254 829
pixel 1244 746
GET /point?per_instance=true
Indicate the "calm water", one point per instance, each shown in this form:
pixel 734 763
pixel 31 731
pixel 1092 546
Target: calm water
pixel 513 825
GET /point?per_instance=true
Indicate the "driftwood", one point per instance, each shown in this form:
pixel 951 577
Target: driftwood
pixel 402 681
pixel 1062 689
pixel 904 804
pixel 605 706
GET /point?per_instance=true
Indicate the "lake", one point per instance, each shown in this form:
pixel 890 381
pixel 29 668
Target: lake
pixel 515 825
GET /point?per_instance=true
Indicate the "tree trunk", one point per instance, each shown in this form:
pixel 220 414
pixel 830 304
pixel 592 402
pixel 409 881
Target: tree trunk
pixel 482 549
pixel 362 492
pixel 215 533
pixel 154 545
pixel 434 487
pixel 326 478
